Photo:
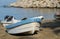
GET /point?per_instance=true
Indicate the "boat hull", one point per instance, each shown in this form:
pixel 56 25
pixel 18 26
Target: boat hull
pixel 30 27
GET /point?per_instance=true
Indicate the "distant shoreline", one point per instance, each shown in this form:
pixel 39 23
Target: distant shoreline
pixel 33 7
pixel 36 4
pixel 30 7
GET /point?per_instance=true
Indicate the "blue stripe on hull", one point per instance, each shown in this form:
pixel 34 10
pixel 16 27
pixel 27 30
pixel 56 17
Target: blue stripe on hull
pixel 23 22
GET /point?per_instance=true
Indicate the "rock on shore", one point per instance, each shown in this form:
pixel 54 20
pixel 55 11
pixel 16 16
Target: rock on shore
pixel 36 3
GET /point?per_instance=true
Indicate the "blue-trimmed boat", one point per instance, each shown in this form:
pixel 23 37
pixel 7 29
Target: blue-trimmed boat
pixel 14 26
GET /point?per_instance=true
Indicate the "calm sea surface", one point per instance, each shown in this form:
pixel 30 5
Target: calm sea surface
pixel 20 13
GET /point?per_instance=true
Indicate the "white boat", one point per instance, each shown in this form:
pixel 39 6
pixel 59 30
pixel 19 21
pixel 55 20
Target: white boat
pixel 57 17
pixel 29 25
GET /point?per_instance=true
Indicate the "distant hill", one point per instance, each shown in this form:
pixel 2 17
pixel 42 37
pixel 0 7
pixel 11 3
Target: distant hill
pixel 36 3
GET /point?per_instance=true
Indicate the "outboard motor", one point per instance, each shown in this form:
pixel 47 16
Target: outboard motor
pixel 8 18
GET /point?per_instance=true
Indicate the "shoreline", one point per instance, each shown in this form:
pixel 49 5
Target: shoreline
pixel 49 31
pixel 32 7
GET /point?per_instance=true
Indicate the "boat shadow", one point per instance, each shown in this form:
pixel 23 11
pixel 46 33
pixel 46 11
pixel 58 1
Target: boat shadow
pixel 51 25
pixel 23 34
pixel 55 26
pixel 27 37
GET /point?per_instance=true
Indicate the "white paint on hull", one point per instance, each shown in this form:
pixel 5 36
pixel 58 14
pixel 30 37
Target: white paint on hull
pixel 25 28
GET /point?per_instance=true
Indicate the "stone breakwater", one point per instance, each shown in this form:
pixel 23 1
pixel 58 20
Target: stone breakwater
pixel 36 3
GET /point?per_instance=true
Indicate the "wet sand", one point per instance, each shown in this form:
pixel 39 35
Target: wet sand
pixel 49 30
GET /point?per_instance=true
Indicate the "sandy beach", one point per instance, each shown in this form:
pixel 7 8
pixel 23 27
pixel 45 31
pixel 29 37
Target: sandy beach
pixel 49 30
